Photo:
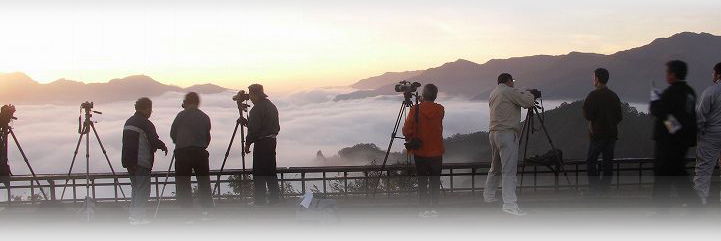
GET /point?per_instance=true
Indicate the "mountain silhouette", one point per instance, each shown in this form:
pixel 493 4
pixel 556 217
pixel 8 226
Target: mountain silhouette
pixel 569 77
pixel 18 88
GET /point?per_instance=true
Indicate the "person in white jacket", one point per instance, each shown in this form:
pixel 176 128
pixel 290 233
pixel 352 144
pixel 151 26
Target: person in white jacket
pixel 504 130
pixel 708 115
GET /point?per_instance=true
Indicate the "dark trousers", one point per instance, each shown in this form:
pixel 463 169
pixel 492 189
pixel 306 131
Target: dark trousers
pixel 140 182
pixel 600 180
pixel 670 174
pixel 264 171
pixel 428 171
pixel 187 161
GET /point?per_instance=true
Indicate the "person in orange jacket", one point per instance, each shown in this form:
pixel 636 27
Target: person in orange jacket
pixel 427 129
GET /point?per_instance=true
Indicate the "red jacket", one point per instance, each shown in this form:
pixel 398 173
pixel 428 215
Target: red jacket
pixel 429 130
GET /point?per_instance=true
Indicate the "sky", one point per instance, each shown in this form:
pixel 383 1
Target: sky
pixel 291 45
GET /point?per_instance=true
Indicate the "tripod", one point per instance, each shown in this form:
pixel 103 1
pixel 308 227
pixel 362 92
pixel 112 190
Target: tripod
pixel 5 132
pixel 84 129
pixel 242 107
pixel 553 160
pixel 407 103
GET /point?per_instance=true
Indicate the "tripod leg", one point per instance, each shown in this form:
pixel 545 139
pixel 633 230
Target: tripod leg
pixel 165 183
pixel 227 153
pixel 102 147
pixel 22 153
pixel 393 135
pixel 70 170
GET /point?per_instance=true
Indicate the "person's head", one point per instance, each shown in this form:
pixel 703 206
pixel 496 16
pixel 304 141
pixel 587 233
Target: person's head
pixel 144 106
pixel 506 79
pixel 600 77
pixel 430 92
pixel 676 70
pixel 191 100
pixel 717 73
pixel 256 92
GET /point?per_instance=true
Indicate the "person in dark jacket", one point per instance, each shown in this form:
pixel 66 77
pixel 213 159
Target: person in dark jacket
pixel 190 132
pixel 674 132
pixel 263 127
pixel 602 109
pixel 140 141
pixel 428 129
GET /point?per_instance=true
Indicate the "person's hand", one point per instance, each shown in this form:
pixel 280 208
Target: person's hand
pixel 655 95
pixel 243 121
pixel 247 148
pixel 164 149
pixel 536 93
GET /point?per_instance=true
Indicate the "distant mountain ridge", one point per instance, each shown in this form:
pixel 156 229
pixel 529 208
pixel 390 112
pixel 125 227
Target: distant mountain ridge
pixel 18 88
pixel 568 77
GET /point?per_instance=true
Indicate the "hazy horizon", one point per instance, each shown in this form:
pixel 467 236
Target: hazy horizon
pixel 289 45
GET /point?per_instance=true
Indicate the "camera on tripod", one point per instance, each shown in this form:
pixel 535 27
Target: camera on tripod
pixel 240 99
pixel 407 87
pixel 87 106
pixel 7 114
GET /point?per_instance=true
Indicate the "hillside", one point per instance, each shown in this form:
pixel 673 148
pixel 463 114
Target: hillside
pixel 567 128
pixel 18 88
pixel 568 77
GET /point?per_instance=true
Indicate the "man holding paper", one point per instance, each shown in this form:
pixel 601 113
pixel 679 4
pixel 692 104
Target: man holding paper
pixel 675 128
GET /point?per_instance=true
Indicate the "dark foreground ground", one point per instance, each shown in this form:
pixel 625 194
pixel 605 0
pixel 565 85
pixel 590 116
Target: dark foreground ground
pixel 551 216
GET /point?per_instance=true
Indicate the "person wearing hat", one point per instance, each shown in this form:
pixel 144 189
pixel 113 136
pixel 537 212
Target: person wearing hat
pixel 504 130
pixel 263 127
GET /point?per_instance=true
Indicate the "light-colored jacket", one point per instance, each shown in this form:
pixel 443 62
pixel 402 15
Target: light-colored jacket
pixel 505 104
pixel 708 111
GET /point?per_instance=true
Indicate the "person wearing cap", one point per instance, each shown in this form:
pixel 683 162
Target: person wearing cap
pixel 190 132
pixel 263 127
pixel 504 130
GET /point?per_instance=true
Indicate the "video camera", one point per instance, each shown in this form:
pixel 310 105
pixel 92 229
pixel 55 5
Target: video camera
pixel 87 105
pixel 241 96
pixel 7 114
pixel 536 93
pixel 407 87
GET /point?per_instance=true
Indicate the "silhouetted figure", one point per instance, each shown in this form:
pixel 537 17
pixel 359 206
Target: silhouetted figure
pixel 674 132
pixel 263 128
pixel 425 124
pixel 708 113
pixel 140 141
pixel 602 109
pixel 6 115
pixel 504 130
pixel 191 134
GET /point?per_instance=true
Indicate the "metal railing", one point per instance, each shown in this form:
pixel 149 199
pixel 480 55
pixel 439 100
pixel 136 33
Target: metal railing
pixel 336 181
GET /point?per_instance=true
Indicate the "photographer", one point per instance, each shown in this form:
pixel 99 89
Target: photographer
pixel 6 115
pixel 190 132
pixel 708 113
pixel 263 127
pixel 423 130
pixel 505 127
pixel 140 141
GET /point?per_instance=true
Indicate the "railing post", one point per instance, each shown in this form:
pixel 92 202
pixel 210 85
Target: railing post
pixel 52 189
pixel 345 180
pixel 451 178
pixel 157 192
pixel 324 188
pixel 282 184
pixel 75 192
pixel 32 192
pixel 115 188
pixel 473 182
pixel 302 182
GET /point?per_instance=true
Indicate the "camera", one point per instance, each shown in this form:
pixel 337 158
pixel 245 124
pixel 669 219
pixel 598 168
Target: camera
pixel 87 105
pixel 407 87
pixel 6 115
pixel 241 96
pixel 536 93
